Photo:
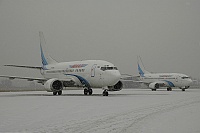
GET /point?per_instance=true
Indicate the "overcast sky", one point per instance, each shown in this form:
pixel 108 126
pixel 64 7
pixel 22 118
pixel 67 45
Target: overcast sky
pixel 165 33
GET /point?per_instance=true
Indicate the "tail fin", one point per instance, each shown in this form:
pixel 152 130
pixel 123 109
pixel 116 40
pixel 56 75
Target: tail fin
pixel 46 58
pixel 141 70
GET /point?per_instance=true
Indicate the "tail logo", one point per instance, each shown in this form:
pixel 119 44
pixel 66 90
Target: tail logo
pixel 44 61
pixel 140 71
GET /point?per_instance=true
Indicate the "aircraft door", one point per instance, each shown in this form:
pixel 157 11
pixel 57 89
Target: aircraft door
pixel 176 79
pixel 93 70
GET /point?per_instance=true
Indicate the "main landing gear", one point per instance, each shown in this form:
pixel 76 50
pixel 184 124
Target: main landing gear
pixel 88 91
pixel 57 92
pixel 169 89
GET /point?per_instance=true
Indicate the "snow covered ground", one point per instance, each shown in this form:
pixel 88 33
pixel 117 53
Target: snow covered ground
pixel 127 111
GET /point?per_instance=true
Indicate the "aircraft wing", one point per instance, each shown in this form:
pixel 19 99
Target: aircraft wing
pixel 23 66
pixel 161 83
pixel 67 79
pixel 40 80
pixel 138 81
pixel 127 77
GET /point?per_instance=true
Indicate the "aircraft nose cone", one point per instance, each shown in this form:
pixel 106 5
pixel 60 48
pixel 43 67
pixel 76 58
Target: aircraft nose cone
pixel 112 77
pixel 190 81
pixel 116 76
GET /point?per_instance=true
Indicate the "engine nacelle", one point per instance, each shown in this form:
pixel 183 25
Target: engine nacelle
pixel 154 85
pixel 53 85
pixel 117 87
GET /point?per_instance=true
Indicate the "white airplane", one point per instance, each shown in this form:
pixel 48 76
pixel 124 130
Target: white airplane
pixel 87 74
pixel 169 80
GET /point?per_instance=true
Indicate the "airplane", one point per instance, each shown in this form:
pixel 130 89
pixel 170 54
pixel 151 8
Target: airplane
pixel 157 80
pixel 86 74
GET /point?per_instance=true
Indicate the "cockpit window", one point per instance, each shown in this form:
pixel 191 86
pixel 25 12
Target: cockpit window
pixel 108 68
pixel 185 77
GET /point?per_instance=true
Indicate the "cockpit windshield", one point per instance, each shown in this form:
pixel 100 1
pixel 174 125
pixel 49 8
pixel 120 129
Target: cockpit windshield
pixel 185 77
pixel 108 68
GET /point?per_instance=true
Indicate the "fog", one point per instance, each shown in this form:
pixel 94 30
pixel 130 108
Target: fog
pixel 166 34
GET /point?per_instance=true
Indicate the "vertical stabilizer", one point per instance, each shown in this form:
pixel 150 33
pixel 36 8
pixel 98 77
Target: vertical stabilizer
pixel 141 68
pixel 46 58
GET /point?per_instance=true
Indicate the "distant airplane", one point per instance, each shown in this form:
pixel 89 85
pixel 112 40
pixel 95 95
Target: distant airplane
pixel 87 74
pixel 169 80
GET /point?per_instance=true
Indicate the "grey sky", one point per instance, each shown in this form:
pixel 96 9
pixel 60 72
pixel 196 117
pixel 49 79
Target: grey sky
pixel 166 34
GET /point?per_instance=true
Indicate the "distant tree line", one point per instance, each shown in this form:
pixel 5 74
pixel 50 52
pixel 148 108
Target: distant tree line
pixel 8 85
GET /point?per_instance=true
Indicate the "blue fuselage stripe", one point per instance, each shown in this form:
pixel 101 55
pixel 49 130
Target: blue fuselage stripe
pixel 140 71
pixel 44 61
pixel 82 80
pixel 170 83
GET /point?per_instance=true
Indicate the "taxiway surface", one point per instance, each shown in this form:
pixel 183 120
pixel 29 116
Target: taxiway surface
pixel 127 111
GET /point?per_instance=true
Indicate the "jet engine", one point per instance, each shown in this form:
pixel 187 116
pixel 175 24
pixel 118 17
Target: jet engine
pixel 117 87
pixel 154 85
pixel 53 85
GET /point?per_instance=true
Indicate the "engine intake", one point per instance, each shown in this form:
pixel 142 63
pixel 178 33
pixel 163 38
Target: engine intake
pixel 53 85
pixel 154 85
pixel 117 87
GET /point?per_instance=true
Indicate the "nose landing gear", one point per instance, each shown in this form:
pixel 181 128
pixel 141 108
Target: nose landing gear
pixel 183 88
pixel 105 92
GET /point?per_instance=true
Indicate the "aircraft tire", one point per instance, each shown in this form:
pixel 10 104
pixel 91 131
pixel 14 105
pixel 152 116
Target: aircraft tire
pixel 183 89
pixel 55 93
pixel 90 91
pixel 169 89
pixel 85 91
pixel 59 92
pixel 105 93
pixel 153 89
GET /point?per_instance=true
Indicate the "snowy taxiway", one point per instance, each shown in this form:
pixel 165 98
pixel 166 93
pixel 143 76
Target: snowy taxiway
pixel 127 111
